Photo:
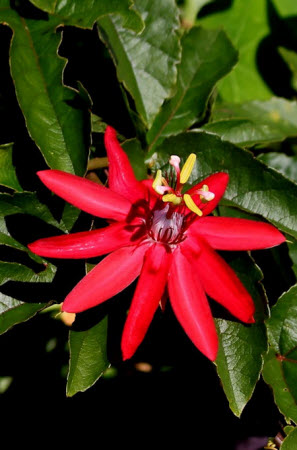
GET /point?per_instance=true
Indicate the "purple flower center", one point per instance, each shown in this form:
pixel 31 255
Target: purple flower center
pixel 166 224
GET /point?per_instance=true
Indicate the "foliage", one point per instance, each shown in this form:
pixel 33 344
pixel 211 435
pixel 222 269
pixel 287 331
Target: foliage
pixel 172 78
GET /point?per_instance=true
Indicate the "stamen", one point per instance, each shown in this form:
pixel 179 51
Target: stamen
pixel 187 168
pixel 192 205
pixel 172 198
pixel 205 194
pixel 159 182
pixel 175 161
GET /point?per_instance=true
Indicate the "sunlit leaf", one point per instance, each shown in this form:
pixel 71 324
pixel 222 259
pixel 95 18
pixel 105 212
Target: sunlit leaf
pixel 255 122
pixel 206 57
pixel 146 62
pixel 246 24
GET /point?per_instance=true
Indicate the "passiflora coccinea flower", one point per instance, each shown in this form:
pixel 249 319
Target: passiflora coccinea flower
pixel 164 236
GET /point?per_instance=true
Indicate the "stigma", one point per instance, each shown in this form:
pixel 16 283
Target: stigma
pixel 173 194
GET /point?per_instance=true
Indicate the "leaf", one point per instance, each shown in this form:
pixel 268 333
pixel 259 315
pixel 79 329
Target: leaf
pixel 255 122
pixel 286 8
pixel 290 442
pixel 190 10
pixel 252 186
pixel 280 368
pixel 206 57
pixel 10 271
pixel 88 358
pixel 290 58
pixel 286 165
pixel 241 347
pixel 57 119
pixel 85 13
pixel 7 171
pixel 146 62
pixel 14 311
pixel 136 156
pixel 273 375
pixel 246 24
pixel 27 203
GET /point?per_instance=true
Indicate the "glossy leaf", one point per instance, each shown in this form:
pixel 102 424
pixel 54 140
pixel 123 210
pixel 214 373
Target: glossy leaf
pixel 88 358
pixel 246 24
pixel 57 118
pixel 280 368
pixel 84 14
pixel 255 122
pixel 8 177
pixel 206 57
pixel 136 157
pixel 27 203
pixel 290 442
pixel 18 272
pixel 252 186
pixel 241 347
pixel 146 62
pixel 14 311
pixel 286 165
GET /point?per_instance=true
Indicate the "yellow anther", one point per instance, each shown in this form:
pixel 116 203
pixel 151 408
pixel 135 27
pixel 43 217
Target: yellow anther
pixel 187 168
pixel 172 198
pixel 192 205
pixel 206 196
pixel 158 181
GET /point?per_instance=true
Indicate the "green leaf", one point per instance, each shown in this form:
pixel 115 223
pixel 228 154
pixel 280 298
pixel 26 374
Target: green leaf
pixel 85 13
pixel 27 203
pixel 286 8
pixel 190 10
pixel 88 358
pixel 136 156
pixel 246 23
pixel 290 442
pixel 146 62
pixel 290 58
pixel 14 311
pixel 206 57
pixel 283 397
pixel 7 171
pixel 280 368
pixel 10 271
pixel 255 122
pixel 57 119
pixel 286 165
pixel 241 347
pixel 252 186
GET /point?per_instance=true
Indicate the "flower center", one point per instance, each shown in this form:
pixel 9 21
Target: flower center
pixel 174 194
pixel 166 224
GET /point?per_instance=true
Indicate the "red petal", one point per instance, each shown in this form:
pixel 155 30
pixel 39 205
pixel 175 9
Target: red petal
pixel 217 183
pixel 222 284
pixel 121 177
pixel 113 274
pixel 191 307
pixel 226 233
pixel 148 293
pixel 86 244
pixel 86 195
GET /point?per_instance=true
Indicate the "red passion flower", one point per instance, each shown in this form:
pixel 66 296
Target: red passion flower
pixel 165 237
